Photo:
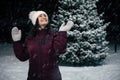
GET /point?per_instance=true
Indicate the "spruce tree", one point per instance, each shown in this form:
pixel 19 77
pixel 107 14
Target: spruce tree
pixel 86 40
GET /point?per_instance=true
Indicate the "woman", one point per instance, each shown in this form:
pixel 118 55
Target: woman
pixel 42 47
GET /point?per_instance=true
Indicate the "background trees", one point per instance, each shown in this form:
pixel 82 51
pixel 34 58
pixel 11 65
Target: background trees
pixel 111 9
pixel 86 41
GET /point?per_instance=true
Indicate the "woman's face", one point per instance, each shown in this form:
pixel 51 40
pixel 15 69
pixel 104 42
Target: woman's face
pixel 42 20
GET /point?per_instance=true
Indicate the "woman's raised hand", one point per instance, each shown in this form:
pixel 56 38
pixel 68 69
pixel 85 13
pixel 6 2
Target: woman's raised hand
pixel 16 34
pixel 66 27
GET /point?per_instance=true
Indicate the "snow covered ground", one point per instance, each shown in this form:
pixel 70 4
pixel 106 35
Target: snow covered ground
pixel 12 69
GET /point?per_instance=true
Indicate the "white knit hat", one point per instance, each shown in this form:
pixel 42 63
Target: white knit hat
pixel 33 15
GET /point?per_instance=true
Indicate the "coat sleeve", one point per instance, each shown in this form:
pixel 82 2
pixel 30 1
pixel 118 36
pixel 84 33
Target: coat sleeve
pixel 60 42
pixel 20 51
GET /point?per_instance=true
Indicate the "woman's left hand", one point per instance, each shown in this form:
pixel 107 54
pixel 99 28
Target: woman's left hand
pixel 66 27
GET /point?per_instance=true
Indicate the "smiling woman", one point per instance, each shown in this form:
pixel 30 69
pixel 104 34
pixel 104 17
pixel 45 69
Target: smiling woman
pixel 43 20
pixel 42 48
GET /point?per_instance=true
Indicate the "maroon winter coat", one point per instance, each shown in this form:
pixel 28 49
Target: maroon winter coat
pixel 42 51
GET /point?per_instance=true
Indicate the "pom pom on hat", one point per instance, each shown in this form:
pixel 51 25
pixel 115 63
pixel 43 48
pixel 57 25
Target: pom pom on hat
pixel 33 15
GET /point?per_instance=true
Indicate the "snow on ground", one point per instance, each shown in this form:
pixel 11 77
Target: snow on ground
pixel 107 71
pixel 12 69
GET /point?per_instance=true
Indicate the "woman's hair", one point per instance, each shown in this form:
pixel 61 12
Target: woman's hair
pixel 34 29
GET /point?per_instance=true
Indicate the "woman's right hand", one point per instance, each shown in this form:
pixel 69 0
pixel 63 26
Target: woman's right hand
pixel 16 34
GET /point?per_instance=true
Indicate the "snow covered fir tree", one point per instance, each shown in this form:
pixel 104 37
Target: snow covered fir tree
pixel 86 40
